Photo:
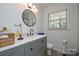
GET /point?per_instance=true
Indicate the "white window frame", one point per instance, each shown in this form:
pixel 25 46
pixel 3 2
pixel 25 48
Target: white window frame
pixel 59 20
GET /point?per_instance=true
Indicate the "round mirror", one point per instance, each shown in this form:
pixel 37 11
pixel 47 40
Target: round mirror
pixel 28 17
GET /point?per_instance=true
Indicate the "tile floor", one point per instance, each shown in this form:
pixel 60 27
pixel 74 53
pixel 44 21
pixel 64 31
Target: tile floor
pixel 57 53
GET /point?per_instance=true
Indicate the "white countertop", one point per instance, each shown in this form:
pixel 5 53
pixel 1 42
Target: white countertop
pixel 2 33
pixel 20 42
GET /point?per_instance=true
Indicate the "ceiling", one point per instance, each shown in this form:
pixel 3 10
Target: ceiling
pixel 43 5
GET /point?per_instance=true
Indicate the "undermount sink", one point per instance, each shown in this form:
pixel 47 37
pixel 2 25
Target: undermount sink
pixel 33 36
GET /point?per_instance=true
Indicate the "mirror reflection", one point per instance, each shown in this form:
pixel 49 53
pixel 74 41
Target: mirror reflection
pixel 28 17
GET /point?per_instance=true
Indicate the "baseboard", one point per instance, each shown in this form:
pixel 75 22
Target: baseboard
pixel 77 51
pixel 58 50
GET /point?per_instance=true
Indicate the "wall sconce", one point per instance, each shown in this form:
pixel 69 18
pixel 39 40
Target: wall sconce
pixel 31 7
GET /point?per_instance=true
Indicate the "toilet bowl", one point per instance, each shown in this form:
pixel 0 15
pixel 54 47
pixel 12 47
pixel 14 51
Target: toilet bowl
pixel 49 48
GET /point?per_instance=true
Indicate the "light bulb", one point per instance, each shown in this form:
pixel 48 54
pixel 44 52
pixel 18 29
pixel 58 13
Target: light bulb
pixel 33 6
pixel 29 4
pixel 36 10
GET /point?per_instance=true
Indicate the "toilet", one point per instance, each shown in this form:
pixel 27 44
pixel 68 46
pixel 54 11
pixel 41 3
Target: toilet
pixel 49 49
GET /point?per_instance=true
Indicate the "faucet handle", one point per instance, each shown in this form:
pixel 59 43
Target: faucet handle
pixel 32 33
pixel 27 34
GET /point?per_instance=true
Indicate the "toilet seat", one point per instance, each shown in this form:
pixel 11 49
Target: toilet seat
pixel 50 45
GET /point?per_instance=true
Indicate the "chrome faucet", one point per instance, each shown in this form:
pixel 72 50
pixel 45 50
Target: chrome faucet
pixel 31 32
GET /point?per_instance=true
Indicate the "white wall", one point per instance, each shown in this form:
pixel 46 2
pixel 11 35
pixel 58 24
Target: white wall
pixel 78 28
pixel 56 37
pixel 11 14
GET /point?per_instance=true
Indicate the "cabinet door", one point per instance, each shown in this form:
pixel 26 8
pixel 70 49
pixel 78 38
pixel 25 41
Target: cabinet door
pixel 13 53
pixel 21 50
pixel 29 49
pixel 36 48
pixel 42 48
pixel 17 51
pixel 9 52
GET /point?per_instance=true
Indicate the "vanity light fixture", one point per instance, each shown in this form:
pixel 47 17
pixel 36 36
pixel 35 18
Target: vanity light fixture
pixel 31 7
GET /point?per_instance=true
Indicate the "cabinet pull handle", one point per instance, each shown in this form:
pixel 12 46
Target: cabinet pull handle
pixel 42 41
pixel 31 49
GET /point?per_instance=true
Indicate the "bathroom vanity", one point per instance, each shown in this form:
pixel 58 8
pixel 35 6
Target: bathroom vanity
pixel 35 45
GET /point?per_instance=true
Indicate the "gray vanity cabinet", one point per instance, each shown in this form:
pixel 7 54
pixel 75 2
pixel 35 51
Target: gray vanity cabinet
pixel 29 49
pixel 34 48
pixel 37 47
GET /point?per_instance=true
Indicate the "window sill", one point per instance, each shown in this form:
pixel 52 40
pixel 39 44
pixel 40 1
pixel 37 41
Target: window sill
pixel 57 29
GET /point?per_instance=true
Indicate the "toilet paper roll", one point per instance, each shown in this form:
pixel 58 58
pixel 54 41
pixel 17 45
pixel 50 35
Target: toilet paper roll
pixel 65 42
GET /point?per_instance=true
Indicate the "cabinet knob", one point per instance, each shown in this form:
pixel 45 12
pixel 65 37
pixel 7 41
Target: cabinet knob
pixel 31 49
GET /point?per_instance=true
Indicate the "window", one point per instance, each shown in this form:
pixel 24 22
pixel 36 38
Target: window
pixel 57 20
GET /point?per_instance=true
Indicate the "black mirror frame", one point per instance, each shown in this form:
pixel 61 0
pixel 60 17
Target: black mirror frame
pixel 25 22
